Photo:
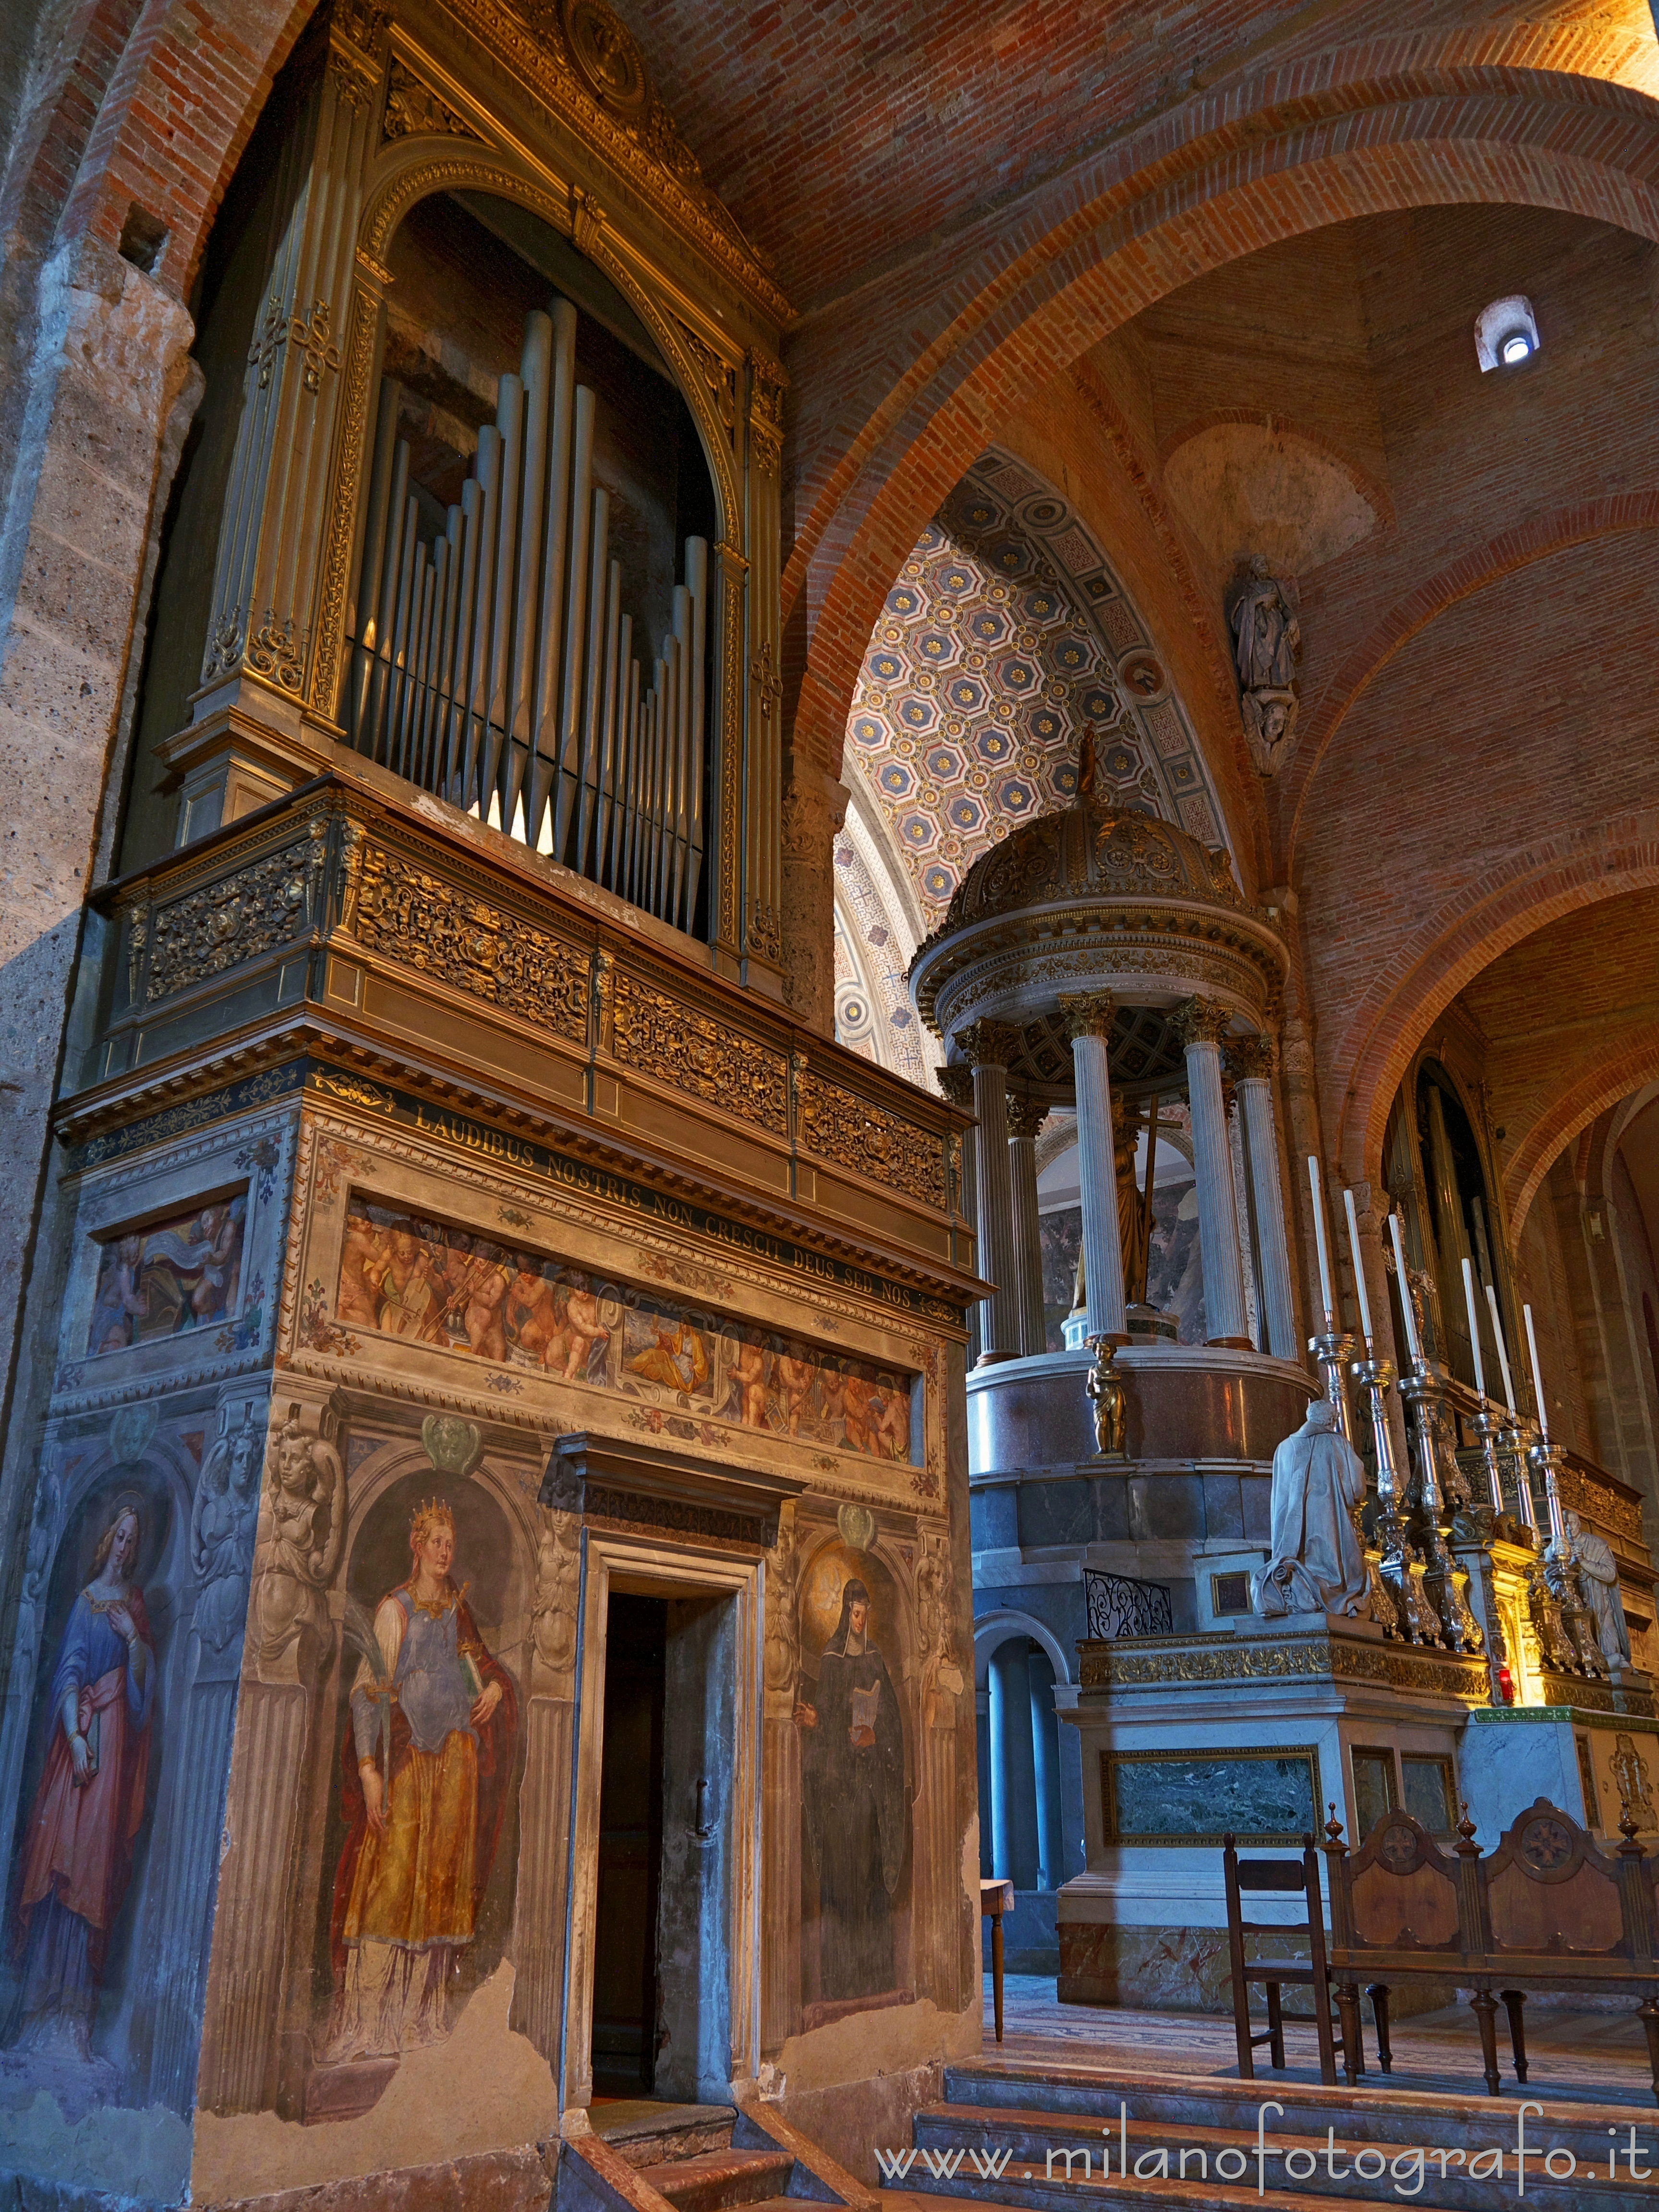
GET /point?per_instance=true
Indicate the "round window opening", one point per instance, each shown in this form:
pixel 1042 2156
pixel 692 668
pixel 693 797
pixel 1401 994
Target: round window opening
pixel 1515 347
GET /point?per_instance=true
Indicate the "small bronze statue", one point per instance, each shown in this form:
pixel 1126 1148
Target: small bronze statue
pixel 1105 1388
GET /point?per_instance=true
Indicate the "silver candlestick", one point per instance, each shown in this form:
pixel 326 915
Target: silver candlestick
pixel 1333 1351
pixel 1421 1389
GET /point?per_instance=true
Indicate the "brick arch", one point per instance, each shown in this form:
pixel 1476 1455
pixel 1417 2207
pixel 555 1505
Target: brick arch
pixel 173 116
pixel 1474 569
pixel 1324 153
pixel 1371 489
pixel 1573 1109
pixel 1449 949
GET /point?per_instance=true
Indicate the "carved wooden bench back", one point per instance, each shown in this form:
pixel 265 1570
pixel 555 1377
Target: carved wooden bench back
pixel 1550 1892
pixel 1403 1890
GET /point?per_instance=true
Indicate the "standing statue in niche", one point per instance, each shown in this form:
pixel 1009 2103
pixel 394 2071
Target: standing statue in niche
pixel 425 1765
pixel 1599 1576
pixel 1266 647
pixel 90 1802
pixel 852 1779
pixel 1317 1565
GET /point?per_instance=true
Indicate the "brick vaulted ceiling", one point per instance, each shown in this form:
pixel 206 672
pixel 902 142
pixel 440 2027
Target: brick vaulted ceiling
pixel 847 138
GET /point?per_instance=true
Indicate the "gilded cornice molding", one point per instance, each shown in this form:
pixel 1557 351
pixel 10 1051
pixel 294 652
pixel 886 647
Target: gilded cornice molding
pixel 583 63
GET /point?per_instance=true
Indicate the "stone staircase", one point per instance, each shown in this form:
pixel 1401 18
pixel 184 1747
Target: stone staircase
pixel 1309 2151
pixel 645 2157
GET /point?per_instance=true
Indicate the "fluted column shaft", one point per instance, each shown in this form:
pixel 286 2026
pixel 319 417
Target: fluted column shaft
pixel 1090 1022
pixel 1253 1065
pixel 1202 1023
pixel 1026 1117
pixel 987 1047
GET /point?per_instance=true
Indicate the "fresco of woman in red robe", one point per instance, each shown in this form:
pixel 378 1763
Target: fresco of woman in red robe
pixel 90 1806
pixel 423 1803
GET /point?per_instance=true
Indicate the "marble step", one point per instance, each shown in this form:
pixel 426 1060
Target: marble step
pixel 649 2133
pixel 1377 2113
pixel 1324 2167
pixel 1175 2195
pixel 714 2180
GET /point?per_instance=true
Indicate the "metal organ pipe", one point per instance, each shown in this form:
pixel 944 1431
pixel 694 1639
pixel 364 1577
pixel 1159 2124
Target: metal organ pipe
pixel 495 666
pixel 575 608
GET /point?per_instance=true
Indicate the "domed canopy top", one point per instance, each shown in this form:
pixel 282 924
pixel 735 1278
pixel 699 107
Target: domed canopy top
pixel 1090 850
pixel 1096 898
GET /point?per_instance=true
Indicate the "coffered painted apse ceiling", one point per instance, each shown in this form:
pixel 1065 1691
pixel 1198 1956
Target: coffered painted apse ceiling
pixel 1006 632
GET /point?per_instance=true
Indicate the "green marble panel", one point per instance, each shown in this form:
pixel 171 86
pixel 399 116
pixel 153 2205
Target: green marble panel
pixel 1197 1796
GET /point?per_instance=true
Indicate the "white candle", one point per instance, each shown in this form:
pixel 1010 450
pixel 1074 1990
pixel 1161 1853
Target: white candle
pixel 1502 1351
pixel 1474 1324
pixel 1411 1344
pixel 1537 1376
pixel 1359 1270
pixel 1318 1239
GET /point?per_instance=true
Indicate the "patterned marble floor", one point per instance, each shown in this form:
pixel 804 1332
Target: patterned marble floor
pixel 1598 2056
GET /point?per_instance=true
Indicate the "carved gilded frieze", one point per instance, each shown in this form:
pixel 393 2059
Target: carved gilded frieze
pixel 1146 1665
pixel 840 1126
pixel 266 904
pixel 661 1037
pixel 417 918
pixel 413 110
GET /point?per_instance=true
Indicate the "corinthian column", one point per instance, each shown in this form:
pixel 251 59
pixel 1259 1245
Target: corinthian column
pixel 1026 1116
pixel 987 1046
pixel 1200 1025
pixel 1089 1021
pixel 1252 1062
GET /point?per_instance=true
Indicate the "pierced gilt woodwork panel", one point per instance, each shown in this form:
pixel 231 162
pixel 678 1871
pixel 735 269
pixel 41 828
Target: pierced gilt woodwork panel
pixel 417 918
pixel 840 1126
pixel 658 1034
pixel 265 905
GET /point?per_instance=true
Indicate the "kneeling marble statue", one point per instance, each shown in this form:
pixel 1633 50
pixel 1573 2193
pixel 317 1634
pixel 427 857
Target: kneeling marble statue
pixel 1598 1573
pixel 1317 1564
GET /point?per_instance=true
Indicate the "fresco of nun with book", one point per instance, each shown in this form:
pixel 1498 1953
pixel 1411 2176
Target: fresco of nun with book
pixel 432 1284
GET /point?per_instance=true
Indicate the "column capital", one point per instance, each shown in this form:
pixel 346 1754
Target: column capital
pixel 1088 1014
pixel 1026 1115
pixel 987 1044
pixel 1200 1021
pixel 1250 1059
pixel 956 1084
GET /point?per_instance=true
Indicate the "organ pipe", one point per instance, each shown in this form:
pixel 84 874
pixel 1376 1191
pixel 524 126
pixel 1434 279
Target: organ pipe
pixel 495 664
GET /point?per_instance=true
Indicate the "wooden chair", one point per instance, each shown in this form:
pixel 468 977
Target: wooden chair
pixel 1284 1878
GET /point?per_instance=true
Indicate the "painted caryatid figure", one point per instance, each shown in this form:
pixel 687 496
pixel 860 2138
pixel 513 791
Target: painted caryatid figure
pixel 1599 1574
pixel 427 1758
pixel 1317 1564
pixel 853 1777
pixel 90 1806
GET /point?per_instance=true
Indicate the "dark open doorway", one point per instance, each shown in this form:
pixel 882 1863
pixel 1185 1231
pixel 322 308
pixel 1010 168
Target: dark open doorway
pixel 630 1848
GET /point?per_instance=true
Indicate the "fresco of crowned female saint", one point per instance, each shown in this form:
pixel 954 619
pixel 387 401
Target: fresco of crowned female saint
pixel 426 1763
pixel 852 1782
pixel 90 1803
